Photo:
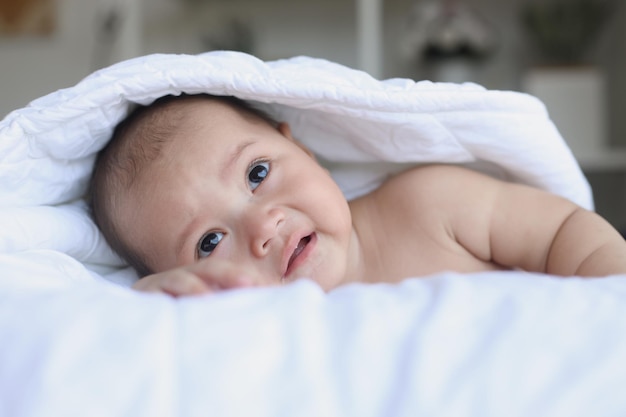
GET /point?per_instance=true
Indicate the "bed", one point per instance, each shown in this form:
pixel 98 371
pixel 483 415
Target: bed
pixel 76 340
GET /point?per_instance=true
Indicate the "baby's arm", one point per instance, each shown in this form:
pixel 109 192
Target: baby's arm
pixel 198 278
pixel 601 249
pixel 557 236
pixel 520 226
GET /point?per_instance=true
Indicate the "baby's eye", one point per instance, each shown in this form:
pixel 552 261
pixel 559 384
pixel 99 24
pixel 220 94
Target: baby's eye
pixel 208 243
pixel 257 173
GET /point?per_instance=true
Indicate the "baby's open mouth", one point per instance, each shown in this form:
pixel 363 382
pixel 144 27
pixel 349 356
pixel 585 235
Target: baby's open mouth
pixel 298 250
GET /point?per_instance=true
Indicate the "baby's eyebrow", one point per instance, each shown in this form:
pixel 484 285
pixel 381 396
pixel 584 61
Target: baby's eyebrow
pixel 229 162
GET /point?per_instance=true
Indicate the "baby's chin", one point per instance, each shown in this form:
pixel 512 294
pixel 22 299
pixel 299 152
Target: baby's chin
pixel 327 281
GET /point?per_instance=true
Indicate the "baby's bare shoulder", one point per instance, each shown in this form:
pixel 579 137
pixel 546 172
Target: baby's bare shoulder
pixel 437 183
pixel 419 211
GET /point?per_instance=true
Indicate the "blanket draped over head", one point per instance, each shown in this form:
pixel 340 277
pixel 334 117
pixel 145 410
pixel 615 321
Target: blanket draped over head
pixel 501 343
pixel 358 125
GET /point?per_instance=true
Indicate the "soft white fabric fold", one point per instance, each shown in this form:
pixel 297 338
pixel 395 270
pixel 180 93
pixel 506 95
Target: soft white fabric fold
pixel 343 114
pixel 476 345
pixel 361 127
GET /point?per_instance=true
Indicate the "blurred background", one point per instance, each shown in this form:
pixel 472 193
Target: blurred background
pixel 570 53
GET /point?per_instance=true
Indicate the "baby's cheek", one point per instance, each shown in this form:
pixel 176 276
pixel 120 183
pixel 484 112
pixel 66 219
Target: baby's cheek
pixel 331 269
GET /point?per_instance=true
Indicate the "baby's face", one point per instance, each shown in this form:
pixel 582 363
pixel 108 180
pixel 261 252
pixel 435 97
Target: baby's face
pixel 233 188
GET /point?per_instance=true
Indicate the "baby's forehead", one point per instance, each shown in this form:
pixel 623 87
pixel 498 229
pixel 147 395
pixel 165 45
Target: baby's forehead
pixel 181 119
pixel 202 103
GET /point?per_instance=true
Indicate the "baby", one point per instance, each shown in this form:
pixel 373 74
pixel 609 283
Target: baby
pixel 204 193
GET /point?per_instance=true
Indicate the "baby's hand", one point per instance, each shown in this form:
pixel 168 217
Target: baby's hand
pixel 198 278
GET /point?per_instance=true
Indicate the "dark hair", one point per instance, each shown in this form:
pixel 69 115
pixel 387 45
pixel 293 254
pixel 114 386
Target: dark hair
pixel 137 141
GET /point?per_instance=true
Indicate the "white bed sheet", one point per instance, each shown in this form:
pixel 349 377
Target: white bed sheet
pixel 72 342
pixel 476 345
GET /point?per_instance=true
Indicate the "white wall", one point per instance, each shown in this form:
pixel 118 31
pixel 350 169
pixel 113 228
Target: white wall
pixel 30 67
pixel 282 28
pixel 33 66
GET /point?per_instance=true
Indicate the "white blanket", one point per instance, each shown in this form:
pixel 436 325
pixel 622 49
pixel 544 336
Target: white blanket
pixel 73 343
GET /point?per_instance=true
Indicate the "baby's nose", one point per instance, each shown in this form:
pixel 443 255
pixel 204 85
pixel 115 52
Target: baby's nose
pixel 263 226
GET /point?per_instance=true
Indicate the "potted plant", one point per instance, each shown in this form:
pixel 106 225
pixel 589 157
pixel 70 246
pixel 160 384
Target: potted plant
pixel 562 34
pixel 564 30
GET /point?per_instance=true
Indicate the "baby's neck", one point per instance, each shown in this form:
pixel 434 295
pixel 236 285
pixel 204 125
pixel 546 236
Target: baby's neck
pixel 364 263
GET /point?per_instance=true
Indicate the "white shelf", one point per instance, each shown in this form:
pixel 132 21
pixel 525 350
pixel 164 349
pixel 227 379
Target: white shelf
pixel 609 159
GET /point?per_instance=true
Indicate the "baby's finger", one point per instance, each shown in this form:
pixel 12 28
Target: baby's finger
pixel 176 283
pixel 185 284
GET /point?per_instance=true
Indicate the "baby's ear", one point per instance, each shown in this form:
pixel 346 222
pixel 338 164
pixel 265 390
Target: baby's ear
pixel 285 130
